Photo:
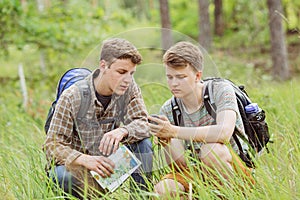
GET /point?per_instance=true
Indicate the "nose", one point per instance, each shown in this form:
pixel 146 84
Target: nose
pixel 173 82
pixel 128 78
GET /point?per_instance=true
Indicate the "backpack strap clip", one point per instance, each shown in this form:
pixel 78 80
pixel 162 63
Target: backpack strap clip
pixel 176 112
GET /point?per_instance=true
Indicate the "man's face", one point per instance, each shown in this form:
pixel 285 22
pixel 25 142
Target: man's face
pixel 181 80
pixel 118 76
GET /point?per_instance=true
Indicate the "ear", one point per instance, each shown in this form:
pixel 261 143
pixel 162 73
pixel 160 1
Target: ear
pixel 198 76
pixel 102 65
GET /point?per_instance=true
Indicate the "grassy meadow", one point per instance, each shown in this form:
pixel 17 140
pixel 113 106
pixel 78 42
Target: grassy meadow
pixel 21 130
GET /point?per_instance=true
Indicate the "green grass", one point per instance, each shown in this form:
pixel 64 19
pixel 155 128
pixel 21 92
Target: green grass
pixel 21 132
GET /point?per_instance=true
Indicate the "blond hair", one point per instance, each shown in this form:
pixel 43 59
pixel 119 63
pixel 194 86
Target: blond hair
pixel 182 54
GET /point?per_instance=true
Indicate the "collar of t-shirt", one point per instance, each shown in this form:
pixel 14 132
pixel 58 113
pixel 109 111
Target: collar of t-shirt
pixel 104 100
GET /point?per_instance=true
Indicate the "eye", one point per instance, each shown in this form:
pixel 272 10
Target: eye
pixel 121 72
pixel 181 76
pixel 131 73
pixel 169 77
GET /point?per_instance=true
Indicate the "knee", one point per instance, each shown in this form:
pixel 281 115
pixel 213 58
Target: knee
pixel 142 148
pixel 145 146
pixel 215 153
pixel 61 176
pixel 159 188
pixel 59 173
pixel 168 187
pixel 143 151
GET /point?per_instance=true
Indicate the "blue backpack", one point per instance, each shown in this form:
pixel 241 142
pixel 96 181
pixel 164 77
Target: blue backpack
pixel 73 76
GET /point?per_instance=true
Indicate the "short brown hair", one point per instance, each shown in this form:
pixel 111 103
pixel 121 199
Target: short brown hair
pixel 182 54
pixel 117 48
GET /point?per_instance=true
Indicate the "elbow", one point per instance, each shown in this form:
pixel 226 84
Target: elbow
pixel 225 134
pixel 223 140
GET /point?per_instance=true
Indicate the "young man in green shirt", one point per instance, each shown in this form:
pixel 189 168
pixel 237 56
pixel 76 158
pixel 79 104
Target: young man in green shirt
pixel 210 140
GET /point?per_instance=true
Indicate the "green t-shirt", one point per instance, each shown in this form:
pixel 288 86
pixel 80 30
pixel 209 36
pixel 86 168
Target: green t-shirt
pixel 224 98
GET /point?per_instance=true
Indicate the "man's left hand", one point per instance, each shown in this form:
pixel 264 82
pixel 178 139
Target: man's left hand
pixel 162 128
pixel 111 140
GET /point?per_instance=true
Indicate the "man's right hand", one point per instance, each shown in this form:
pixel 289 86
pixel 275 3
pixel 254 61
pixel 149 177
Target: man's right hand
pixel 100 164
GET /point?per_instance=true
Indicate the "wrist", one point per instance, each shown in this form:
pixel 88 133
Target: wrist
pixel 81 160
pixel 124 131
pixel 175 131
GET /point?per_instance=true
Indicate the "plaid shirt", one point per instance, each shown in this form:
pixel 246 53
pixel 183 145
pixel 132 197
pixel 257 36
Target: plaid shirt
pixel 65 143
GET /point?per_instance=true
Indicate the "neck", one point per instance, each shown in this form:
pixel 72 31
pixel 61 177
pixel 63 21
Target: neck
pixel 193 101
pixel 100 86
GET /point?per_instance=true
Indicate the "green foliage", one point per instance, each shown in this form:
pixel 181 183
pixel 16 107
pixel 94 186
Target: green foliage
pixel 184 17
pixel 247 21
pixel 138 8
pixel 10 13
pixel 291 12
pixel 60 28
pixel 64 28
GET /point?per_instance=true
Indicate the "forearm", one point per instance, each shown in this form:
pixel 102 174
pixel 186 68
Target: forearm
pixel 59 144
pixel 219 133
pixel 59 153
pixel 136 116
pixel 207 134
pixel 136 130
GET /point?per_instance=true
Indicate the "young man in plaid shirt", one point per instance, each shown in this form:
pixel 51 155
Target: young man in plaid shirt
pixel 74 147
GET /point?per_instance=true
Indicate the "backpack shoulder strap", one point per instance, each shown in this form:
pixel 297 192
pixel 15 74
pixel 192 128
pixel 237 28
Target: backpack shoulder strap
pixel 176 111
pixel 85 95
pixel 209 105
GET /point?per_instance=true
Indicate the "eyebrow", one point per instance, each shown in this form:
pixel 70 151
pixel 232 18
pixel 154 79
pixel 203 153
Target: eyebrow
pixel 176 75
pixel 125 70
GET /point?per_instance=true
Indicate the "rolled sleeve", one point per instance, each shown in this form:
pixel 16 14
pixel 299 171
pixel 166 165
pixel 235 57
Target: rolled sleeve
pixel 71 157
pixel 136 119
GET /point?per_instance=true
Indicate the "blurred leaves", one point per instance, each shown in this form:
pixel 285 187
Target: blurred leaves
pixel 67 26
pixel 57 27
pixel 10 13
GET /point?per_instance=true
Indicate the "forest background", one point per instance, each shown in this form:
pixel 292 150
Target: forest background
pixel 41 39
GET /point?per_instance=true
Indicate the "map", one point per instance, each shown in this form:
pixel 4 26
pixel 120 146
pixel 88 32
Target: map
pixel 125 164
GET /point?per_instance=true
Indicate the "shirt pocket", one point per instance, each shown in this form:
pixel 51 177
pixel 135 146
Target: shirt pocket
pixel 90 132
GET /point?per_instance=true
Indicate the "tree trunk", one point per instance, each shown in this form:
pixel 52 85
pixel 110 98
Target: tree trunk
pixel 219 24
pixel 94 3
pixel 140 9
pixel 23 3
pixel 204 24
pixel 47 3
pixel 40 5
pixel 43 62
pixel 166 34
pixel 278 47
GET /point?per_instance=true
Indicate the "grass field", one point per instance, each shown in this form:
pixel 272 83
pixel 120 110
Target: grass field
pixel 21 130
